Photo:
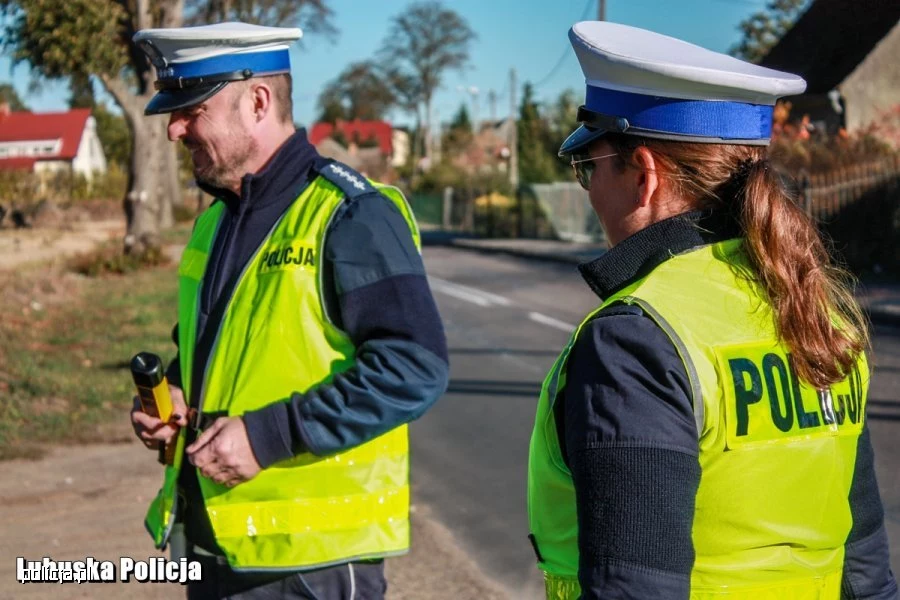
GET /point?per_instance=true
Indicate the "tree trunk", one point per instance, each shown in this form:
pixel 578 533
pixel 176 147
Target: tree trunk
pixel 143 202
pixel 169 183
pixel 153 186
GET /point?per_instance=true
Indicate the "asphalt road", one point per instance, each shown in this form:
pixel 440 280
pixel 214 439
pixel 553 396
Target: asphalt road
pixel 506 319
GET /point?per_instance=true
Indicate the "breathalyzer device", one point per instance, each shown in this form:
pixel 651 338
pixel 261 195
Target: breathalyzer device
pixel 153 391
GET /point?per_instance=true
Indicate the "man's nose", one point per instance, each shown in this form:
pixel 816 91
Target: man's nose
pixel 177 127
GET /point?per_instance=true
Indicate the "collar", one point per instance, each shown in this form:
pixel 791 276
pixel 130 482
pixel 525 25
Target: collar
pixel 285 173
pixel 636 256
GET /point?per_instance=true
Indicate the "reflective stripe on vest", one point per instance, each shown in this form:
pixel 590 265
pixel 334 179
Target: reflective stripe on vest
pixel 756 535
pixel 275 339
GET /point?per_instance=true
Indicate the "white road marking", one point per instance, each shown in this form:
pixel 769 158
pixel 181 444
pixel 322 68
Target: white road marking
pixel 551 322
pixel 462 295
pixel 470 294
pixel 487 299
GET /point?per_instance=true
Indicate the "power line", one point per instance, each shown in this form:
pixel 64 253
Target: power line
pixel 754 3
pixel 566 50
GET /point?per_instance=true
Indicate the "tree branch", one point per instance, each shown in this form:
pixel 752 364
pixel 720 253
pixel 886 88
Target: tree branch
pixel 131 104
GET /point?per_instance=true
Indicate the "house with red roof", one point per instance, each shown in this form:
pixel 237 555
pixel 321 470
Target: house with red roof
pixel 49 143
pixel 374 133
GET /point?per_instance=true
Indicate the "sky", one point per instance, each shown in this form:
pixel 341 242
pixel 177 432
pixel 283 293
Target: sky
pixel 529 36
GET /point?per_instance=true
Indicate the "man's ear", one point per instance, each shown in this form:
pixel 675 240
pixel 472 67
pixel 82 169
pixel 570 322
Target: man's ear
pixel 261 95
pixel 648 179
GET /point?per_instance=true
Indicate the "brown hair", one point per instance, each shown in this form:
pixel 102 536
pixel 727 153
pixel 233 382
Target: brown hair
pixel 815 311
pixel 281 85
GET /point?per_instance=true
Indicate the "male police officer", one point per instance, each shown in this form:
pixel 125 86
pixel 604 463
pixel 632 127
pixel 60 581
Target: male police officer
pixel 307 334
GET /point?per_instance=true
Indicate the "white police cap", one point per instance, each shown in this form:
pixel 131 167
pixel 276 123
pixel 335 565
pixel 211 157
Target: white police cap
pixel 643 83
pixel 194 63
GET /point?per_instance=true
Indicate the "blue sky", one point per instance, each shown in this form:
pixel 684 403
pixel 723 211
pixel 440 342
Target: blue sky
pixel 528 35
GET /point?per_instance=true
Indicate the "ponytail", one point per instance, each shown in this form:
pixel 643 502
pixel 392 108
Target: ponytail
pixel 815 312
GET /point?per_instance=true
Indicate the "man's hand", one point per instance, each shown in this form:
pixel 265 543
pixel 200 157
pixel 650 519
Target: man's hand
pixel 150 430
pixel 223 453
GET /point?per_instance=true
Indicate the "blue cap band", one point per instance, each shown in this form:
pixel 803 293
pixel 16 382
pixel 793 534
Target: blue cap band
pixel 697 118
pixel 277 61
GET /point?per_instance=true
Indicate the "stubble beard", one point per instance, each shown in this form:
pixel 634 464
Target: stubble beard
pixel 227 173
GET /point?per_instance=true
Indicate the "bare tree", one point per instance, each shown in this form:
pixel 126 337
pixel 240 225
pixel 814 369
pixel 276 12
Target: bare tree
pixel 313 16
pixel 358 92
pixel 423 43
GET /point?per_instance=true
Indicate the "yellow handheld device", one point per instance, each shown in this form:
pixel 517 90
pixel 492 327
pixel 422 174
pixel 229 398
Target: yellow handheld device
pixel 153 390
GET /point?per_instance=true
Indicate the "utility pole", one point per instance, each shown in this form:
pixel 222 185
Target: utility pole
pixel 601 10
pixel 475 125
pixel 513 132
pixel 492 101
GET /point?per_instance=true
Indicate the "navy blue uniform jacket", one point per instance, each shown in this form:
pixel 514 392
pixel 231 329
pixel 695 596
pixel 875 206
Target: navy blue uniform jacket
pixel 628 434
pixel 376 291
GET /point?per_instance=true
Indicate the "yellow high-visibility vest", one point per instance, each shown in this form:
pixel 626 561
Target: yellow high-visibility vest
pixel 275 339
pixel 777 456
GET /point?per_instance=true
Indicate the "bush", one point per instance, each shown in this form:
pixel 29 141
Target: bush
pixel 796 147
pixel 111 260
pixel 19 188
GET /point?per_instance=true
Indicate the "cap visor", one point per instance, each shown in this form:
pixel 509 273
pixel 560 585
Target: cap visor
pixel 580 138
pixel 166 101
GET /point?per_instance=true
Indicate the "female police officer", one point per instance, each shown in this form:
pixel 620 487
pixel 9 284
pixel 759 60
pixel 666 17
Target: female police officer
pixel 702 434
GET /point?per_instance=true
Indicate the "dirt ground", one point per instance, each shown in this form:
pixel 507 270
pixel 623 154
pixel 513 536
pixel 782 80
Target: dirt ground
pixel 24 246
pixel 89 500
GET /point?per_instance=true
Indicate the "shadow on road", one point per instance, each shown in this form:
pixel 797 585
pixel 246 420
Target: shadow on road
pixel 882 410
pixel 517 351
pixel 494 388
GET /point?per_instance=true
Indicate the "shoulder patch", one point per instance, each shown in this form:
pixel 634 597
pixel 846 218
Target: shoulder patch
pixel 348 180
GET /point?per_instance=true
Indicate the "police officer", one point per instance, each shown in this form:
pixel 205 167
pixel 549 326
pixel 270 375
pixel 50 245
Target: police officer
pixel 307 336
pixel 703 433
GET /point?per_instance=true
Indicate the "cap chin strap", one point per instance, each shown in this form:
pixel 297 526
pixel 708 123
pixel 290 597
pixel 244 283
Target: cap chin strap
pixel 184 83
pixel 597 120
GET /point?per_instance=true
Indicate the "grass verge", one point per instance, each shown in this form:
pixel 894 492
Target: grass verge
pixel 65 344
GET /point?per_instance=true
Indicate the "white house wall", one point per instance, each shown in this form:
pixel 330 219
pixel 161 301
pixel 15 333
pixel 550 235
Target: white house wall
pixel 874 86
pixel 90 158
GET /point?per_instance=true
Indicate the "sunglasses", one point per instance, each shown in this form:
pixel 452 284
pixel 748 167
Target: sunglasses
pixel 584 168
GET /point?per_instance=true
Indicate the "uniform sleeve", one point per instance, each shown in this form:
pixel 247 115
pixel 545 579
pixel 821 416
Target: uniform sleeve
pixel 631 444
pixel 867 565
pixel 381 299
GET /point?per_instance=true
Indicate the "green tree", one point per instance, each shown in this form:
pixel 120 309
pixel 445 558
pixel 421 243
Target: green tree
pixel 112 129
pixel 84 38
pixel 762 30
pixel 424 42
pixel 9 96
pixel 358 92
pixel 563 120
pixel 82 92
pixel 537 161
pixel 459 135
pixel 461 120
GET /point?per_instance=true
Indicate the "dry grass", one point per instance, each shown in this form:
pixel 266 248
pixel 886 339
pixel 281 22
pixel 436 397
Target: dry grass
pixel 65 343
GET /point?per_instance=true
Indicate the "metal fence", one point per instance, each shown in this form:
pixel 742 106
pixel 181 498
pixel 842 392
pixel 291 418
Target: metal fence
pixel 568 210
pixel 858 207
pixel 827 194
pixel 538 211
